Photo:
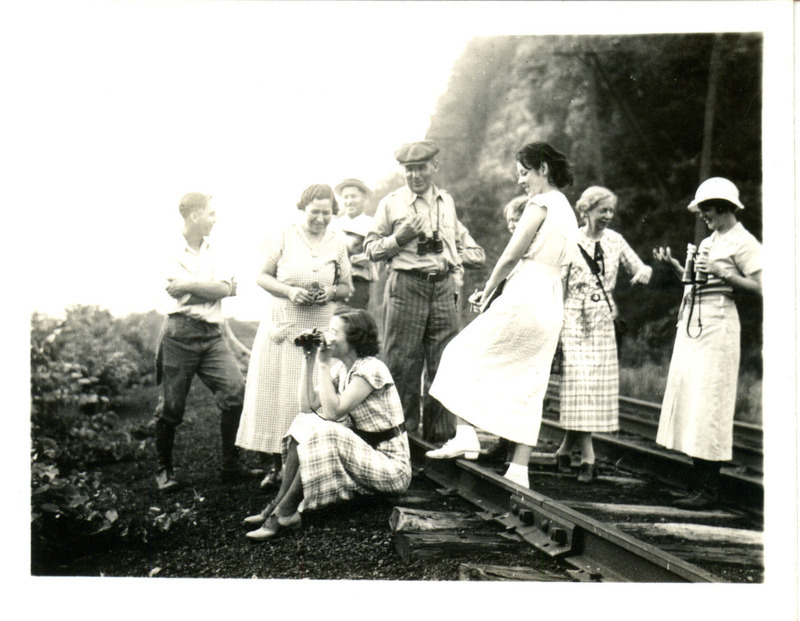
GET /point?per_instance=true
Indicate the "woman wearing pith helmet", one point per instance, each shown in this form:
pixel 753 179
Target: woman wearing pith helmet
pixel 699 401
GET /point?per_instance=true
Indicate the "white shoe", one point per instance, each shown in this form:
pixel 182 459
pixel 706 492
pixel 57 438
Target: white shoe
pixel 456 447
pixel 519 479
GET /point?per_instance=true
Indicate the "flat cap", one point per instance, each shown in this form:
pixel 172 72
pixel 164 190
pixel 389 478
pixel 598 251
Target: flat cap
pixel 352 183
pixel 414 152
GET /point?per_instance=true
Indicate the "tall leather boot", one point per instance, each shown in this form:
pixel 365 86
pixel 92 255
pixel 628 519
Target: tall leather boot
pixel 165 441
pixel 232 467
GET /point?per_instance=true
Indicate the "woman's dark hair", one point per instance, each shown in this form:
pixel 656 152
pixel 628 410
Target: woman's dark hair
pixel 318 191
pixel 533 154
pixel 720 205
pixel 361 331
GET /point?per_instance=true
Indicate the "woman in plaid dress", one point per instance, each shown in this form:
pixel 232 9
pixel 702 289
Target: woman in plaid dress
pixel 306 270
pixel 590 379
pixel 350 435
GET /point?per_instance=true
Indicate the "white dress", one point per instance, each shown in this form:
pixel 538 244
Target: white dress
pixel 700 397
pixel 495 372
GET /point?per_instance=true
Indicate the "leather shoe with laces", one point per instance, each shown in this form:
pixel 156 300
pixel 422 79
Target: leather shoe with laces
pixel 259 518
pixel 456 447
pixel 273 525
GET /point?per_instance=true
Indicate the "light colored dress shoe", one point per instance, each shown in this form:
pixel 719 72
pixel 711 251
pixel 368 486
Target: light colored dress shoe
pixel 273 525
pixel 456 447
pixel 259 518
pixel 519 479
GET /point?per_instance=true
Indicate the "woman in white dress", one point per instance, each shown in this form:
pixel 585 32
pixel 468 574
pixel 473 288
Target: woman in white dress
pixel 494 373
pixel 700 398
pixel 306 270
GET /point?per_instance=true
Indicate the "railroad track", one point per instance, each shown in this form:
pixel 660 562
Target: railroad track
pixel 640 418
pixel 632 534
pixel 634 448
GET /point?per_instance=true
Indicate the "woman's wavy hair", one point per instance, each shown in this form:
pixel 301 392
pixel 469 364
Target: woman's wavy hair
pixel 317 191
pixel 360 331
pixel 592 197
pixel 533 154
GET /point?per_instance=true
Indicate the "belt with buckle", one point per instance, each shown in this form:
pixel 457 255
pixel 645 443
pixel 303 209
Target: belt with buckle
pixel 426 276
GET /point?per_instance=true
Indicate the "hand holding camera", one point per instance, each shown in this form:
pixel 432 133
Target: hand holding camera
pixel 409 229
pixel 310 341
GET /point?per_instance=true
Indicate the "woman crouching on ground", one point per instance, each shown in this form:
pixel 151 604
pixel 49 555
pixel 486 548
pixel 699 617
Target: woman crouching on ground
pixel 349 437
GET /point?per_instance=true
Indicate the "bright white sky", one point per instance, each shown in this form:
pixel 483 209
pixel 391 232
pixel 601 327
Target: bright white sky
pixel 133 105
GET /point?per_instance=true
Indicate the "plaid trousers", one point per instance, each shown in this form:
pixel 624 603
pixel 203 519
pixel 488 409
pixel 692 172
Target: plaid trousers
pixel 420 320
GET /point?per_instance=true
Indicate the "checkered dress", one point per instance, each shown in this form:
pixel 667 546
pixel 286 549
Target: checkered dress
pixel 270 399
pixel 590 377
pixel 335 463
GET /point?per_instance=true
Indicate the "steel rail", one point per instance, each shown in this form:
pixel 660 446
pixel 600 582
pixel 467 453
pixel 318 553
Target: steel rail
pixel 641 418
pixel 596 551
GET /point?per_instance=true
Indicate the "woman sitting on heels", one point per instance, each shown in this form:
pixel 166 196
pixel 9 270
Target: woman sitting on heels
pixel 350 438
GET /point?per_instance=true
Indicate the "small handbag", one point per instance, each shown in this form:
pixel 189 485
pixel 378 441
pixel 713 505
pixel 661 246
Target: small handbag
pixel 620 325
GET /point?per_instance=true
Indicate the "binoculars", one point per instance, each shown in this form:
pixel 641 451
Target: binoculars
pixel 429 245
pixel 692 275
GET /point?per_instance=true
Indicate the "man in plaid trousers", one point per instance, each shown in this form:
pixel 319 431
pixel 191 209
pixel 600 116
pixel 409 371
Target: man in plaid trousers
pixel 416 231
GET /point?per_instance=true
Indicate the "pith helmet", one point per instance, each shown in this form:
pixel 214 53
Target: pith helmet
pixel 715 188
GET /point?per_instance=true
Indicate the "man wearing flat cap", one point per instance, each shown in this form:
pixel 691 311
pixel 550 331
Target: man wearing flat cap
pixel 355 225
pixel 416 231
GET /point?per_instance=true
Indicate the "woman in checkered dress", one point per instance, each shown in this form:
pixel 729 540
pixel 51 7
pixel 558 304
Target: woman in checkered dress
pixel 306 270
pixel 590 380
pixel 349 437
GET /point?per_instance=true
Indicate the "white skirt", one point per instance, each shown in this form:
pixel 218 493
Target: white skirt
pixel 494 373
pixel 700 398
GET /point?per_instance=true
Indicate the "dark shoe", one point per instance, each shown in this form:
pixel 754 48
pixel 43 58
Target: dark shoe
pixel 165 481
pixel 272 479
pixel 274 525
pixel 699 500
pixel 587 473
pixel 238 471
pixel 259 518
pixel 564 463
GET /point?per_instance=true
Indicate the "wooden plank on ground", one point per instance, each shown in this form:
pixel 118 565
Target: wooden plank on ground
pixel 694 532
pixel 471 571
pixel 746 556
pixel 416 520
pixel 653 510
pixel 419 497
pixel 438 544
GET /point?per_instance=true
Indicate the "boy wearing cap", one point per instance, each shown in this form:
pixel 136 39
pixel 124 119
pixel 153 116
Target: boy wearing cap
pixel 192 343
pixel 416 231
pixel 355 225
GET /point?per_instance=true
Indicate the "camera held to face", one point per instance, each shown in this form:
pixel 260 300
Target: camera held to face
pixel 429 245
pixel 310 340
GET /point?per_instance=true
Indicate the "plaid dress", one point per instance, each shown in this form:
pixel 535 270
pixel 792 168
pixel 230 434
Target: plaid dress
pixel 270 398
pixel 335 463
pixel 590 376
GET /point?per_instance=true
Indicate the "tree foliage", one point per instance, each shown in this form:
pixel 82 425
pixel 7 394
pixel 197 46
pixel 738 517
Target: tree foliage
pixel 629 111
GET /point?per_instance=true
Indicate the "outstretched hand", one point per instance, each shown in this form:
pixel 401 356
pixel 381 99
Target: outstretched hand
pixel 664 255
